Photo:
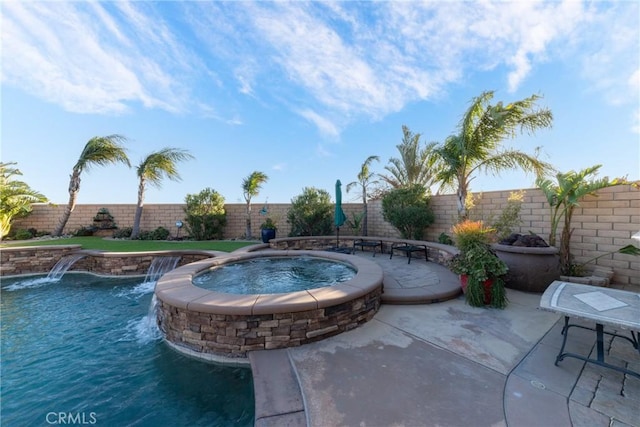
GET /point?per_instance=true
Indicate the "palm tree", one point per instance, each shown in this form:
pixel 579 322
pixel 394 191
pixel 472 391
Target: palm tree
pixel 365 180
pixel 416 165
pixel 251 186
pixel 564 195
pixel 152 170
pixel 16 197
pixel 100 151
pixel 476 147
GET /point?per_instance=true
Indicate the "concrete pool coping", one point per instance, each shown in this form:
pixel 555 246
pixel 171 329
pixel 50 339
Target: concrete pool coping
pixel 177 289
pixel 204 321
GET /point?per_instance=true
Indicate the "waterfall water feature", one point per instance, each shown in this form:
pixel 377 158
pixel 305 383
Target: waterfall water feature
pixel 63 265
pixel 147 329
pixel 159 266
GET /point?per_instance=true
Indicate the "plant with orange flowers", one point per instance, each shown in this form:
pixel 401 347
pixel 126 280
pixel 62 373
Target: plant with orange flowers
pixel 479 263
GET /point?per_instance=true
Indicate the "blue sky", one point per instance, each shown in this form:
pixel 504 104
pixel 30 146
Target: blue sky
pixel 305 92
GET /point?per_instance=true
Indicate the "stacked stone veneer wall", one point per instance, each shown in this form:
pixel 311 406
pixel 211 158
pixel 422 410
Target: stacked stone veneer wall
pixel 16 261
pixel 234 335
pixel 30 260
pixel 602 224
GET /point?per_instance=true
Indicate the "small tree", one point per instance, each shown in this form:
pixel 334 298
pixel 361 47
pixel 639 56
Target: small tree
pixel 16 197
pixel 152 170
pixel 509 218
pixel 365 180
pixel 250 188
pixel 564 195
pixel 205 215
pixel 416 165
pixel 98 151
pixel 478 144
pixel 311 213
pixel 408 209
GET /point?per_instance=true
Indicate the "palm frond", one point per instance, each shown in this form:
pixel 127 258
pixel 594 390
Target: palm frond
pixel 102 151
pixel 161 164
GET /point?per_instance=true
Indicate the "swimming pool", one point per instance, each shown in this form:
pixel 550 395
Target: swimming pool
pixel 85 349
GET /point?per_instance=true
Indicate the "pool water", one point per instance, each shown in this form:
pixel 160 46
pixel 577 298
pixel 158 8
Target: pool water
pixel 85 349
pixel 274 275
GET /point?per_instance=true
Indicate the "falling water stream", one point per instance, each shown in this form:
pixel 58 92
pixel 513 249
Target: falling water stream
pixel 63 265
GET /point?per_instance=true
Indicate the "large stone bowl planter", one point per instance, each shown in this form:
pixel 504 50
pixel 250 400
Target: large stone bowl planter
pixel 530 269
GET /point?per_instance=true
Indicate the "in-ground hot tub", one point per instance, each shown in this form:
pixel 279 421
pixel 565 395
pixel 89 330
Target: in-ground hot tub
pixel 208 324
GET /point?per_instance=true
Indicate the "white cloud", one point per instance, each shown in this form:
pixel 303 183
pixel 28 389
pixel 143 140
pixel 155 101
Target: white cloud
pixel 327 62
pixel 326 126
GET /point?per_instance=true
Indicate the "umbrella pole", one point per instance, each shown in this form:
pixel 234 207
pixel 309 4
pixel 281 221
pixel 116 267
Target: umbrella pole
pixel 338 237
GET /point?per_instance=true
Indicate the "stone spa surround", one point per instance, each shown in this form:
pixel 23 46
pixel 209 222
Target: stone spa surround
pixel 209 324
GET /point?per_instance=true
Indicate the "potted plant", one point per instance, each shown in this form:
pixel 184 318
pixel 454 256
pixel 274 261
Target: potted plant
pixel 564 195
pixel 481 271
pixel 599 276
pixel 268 230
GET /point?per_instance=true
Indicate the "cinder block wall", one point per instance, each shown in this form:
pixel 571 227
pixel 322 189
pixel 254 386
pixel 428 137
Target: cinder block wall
pixel 45 217
pixel 601 224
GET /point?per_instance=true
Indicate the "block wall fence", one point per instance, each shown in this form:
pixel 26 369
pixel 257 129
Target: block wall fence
pixel 602 223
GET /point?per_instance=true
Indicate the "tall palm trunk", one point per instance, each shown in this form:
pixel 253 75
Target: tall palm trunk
pixel 461 199
pixel 248 221
pixel 138 216
pixel 365 221
pixel 565 244
pixel 74 187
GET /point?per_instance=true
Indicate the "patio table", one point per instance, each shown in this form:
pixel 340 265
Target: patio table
pixel 368 243
pixel 409 249
pixel 613 308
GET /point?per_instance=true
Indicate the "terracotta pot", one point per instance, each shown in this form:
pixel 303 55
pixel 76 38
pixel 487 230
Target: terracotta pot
pixel 487 287
pixel 530 269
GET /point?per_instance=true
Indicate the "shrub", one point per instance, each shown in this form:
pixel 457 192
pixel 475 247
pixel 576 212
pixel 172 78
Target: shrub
pixel 122 233
pixel 84 231
pixel 445 239
pixel 159 233
pixel 311 213
pixel 408 209
pixel 509 217
pixel 469 233
pixel 23 234
pixel 268 224
pixel 205 215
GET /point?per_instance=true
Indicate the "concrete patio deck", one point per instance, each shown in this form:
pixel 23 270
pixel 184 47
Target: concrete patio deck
pixel 446 364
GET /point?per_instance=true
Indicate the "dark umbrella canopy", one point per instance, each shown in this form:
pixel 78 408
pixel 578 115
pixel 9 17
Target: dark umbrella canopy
pixel 339 216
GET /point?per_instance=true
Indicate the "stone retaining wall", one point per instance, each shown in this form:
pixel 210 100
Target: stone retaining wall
pixel 436 252
pixel 41 259
pixel 234 335
pixel 30 260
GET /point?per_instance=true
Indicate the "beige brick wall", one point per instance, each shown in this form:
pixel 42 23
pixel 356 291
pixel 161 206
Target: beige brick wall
pixel 45 217
pixel 601 223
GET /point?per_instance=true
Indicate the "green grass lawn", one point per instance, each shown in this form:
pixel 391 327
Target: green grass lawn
pixel 98 243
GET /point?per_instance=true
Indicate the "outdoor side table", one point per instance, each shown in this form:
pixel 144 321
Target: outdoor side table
pixel 408 249
pixel 368 243
pixel 613 308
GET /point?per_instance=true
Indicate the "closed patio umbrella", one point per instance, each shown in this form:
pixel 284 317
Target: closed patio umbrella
pixel 339 216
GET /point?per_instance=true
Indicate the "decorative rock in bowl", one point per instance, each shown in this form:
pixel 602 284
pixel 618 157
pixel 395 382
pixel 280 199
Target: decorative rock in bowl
pixel 533 265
